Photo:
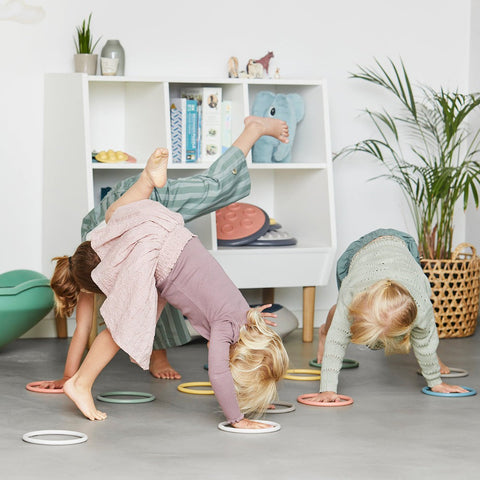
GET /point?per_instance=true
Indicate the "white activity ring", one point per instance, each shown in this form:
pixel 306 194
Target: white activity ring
pixel 29 437
pixel 226 427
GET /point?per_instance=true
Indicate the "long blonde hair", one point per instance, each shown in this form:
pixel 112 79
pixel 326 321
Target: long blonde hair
pixel 71 275
pixel 257 362
pixel 383 316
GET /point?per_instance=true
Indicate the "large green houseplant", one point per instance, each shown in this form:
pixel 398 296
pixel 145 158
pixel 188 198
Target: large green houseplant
pixel 429 148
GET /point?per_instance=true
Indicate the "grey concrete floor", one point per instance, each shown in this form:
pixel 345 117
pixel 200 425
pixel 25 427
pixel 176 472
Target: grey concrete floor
pixel 392 431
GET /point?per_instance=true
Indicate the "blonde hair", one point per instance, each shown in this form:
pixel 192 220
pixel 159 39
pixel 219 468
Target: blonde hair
pixel 383 316
pixel 257 362
pixel 71 275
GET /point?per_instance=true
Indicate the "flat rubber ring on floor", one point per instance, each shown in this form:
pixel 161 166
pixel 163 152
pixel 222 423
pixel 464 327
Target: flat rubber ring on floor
pixel 34 387
pixel 185 388
pixel 346 363
pixel 469 393
pixel 80 437
pixel 454 373
pixel 287 407
pixel 144 397
pixel 226 427
pixel 304 399
pixel 294 374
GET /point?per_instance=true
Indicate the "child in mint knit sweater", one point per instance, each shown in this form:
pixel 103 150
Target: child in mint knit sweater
pixel 383 302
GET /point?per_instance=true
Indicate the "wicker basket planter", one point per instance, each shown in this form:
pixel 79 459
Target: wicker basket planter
pixel 455 291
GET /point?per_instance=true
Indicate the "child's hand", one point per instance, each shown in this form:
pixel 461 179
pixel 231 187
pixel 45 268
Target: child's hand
pixel 446 388
pixel 326 397
pixel 267 314
pixel 54 384
pixel 245 423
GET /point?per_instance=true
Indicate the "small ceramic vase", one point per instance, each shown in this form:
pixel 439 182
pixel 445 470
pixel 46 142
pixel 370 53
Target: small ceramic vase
pixel 112 50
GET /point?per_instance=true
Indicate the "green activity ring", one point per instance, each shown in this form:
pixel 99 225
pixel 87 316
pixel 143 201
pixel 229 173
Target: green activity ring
pixel 145 397
pixel 346 363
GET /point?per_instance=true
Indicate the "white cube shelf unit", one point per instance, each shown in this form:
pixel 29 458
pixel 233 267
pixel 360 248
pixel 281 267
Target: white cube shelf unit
pixel 91 113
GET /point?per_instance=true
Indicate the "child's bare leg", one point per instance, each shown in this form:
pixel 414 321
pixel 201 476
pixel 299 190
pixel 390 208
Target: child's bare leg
pixel 322 334
pixel 79 387
pixel 256 127
pixel 443 368
pixel 160 366
pixel 154 175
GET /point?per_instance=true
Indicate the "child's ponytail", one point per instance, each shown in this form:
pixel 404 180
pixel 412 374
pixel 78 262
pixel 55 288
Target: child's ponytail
pixel 71 275
pixel 64 287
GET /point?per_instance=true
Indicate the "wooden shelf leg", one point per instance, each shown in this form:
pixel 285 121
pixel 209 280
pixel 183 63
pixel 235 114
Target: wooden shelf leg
pixel 61 326
pixel 268 295
pixel 308 313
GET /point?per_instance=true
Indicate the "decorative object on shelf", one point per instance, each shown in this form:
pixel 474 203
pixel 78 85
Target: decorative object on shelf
pixel 430 149
pixel 233 67
pixel 25 298
pixel 111 156
pixel 112 58
pixel 288 107
pixel 254 70
pixel 85 60
pixel 265 61
pixel 277 73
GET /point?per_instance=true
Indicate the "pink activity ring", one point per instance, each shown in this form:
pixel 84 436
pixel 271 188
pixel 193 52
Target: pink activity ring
pixel 34 387
pixel 304 399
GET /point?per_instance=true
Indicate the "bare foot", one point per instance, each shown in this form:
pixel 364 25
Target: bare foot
pixel 443 368
pixel 160 366
pixel 322 335
pixel 269 126
pixel 156 169
pixel 82 397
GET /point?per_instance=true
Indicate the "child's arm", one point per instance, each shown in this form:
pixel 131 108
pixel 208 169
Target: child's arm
pixel 84 317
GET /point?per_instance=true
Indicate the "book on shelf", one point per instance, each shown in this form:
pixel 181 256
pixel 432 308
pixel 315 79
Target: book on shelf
pixel 196 93
pixel 176 131
pixel 191 126
pixel 178 117
pixel 211 123
pixel 226 125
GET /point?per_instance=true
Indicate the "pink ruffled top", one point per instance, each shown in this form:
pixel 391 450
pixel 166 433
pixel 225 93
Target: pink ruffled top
pixel 137 249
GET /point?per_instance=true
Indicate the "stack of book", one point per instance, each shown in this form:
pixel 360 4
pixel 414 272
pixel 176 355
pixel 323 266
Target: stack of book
pixel 201 125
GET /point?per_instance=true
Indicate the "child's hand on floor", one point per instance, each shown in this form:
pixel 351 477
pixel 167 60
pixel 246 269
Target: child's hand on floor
pixel 326 397
pixel 54 384
pixel 245 423
pixel 446 388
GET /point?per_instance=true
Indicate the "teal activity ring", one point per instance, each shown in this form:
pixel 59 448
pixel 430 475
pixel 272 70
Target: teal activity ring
pixel 468 393
pixel 346 363
pixel 144 397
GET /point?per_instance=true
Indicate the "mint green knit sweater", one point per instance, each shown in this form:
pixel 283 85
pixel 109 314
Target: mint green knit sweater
pixel 383 258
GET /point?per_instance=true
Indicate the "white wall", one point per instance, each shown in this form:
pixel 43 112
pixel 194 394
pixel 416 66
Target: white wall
pixel 310 38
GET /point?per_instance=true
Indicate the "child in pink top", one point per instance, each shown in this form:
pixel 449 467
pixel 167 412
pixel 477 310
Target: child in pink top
pixel 144 257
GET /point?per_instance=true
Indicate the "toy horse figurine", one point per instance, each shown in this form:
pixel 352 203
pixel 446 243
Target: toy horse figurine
pixel 265 60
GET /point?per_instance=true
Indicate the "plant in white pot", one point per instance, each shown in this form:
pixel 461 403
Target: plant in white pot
pixel 431 151
pixel 85 60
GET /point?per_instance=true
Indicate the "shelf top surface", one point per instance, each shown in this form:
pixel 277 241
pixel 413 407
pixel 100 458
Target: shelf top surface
pixel 196 80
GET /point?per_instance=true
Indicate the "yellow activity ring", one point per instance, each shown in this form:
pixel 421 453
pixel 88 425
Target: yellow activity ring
pixel 315 374
pixel 184 387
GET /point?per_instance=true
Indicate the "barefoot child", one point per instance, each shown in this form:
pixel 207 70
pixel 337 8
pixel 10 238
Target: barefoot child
pixel 226 181
pixel 383 302
pixel 144 257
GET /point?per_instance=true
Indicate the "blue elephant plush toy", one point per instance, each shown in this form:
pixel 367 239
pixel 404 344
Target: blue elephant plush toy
pixel 289 108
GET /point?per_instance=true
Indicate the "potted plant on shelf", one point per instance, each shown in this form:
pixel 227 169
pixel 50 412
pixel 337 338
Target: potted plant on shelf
pixel 85 60
pixel 430 150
